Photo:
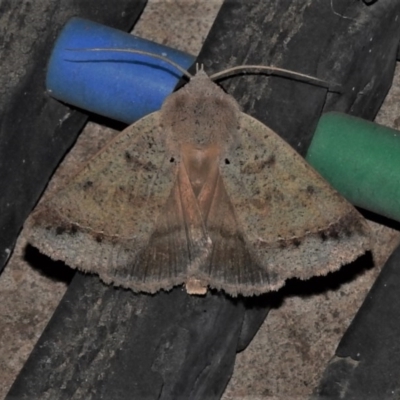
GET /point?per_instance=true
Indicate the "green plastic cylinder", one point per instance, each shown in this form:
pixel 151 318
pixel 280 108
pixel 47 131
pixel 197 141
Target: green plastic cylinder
pixel 361 160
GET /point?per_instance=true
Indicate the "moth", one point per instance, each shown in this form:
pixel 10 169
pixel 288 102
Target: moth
pixel 203 195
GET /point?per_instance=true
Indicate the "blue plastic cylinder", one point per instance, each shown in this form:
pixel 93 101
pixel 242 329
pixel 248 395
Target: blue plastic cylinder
pixel 121 86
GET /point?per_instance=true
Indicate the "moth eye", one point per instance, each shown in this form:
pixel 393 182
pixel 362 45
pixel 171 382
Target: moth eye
pixel 172 159
pixel 227 162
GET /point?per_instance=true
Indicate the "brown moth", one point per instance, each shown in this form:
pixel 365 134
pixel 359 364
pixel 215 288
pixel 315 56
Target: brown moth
pixel 203 195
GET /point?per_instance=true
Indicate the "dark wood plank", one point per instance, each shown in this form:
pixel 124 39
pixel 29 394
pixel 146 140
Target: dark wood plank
pixel 368 355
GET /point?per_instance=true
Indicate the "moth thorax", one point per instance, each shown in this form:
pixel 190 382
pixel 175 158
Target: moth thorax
pixel 200 114
pixel 201 123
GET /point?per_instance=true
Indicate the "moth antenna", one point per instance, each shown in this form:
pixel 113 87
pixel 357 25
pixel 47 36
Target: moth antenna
pixel 278 71
pixel 144 53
